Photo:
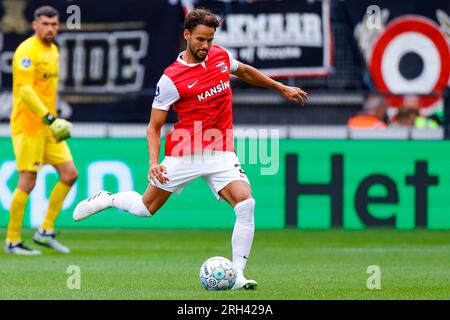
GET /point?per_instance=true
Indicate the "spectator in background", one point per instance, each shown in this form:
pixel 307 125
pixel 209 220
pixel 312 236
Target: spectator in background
pixel 413 114
pixel 408 116
pixel 425 123
pixel 405 117
pixel 373 115
pixel 433 121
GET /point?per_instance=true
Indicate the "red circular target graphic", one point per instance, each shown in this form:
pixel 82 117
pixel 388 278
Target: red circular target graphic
pixel 413 36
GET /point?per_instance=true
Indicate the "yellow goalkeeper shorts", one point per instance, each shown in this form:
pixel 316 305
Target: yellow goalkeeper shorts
pixel 32 152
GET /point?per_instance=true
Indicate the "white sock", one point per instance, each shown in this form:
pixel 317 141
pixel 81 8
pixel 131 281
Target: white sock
pixel 131 202
pixel 244 229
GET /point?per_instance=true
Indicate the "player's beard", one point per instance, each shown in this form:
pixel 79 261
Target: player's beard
pixel 196 55
pixel 49 39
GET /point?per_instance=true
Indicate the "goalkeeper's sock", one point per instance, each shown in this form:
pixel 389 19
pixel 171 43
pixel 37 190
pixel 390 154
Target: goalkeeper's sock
pixel 244 229
pixel 56 200
pixel 131 202
pixel 16 212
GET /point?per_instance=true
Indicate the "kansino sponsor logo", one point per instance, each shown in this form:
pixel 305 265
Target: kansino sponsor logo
pixel 222 86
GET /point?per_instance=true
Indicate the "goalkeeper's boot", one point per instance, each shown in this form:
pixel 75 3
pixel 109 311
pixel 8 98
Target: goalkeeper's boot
pixel 20 248
pixel 243 283
pixel 100 201
pixel 47 239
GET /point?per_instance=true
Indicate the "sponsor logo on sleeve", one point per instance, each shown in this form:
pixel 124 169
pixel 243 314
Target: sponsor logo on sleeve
pixel 26 63
pixel 222 66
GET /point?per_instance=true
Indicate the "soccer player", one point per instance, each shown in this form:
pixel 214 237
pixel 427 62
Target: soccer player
pixel 37 133
pixel 197 86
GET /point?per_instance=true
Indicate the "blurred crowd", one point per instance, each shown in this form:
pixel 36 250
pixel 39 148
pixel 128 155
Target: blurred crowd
pixel 377 114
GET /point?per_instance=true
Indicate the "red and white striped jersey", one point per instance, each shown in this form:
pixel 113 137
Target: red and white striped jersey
pixel 201 96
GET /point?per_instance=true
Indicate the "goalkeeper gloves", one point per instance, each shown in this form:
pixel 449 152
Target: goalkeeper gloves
pixel 60 128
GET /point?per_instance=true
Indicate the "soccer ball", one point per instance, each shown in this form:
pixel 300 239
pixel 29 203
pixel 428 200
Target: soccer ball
pixel 217 273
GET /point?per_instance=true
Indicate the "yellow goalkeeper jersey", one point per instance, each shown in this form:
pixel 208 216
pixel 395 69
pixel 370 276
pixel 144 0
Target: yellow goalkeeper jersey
pixel 37 65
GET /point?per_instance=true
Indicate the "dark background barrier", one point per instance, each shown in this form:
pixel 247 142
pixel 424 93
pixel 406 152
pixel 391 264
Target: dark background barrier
pixel 111 65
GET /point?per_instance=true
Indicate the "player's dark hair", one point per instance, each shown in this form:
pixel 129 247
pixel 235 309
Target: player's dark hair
pixel 46 11
pixel 201 16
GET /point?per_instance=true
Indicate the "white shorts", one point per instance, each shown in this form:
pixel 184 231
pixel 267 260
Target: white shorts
pixel 217 168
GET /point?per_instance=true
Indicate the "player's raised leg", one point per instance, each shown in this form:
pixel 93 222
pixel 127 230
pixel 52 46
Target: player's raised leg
pixel 143 206
pixel 131 201
pixel 239 195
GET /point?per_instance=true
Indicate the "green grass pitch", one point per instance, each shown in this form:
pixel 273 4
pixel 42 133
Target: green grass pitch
pixel 288 264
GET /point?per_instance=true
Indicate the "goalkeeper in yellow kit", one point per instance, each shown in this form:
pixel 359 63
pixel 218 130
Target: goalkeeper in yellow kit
pixel 37 133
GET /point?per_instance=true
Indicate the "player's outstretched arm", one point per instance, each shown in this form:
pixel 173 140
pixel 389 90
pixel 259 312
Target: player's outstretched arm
pixel 157 120
pixel 255 77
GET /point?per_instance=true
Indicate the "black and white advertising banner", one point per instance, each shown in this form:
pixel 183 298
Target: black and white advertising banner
pixel 112 53
pixel 406 47
pixel 280 38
